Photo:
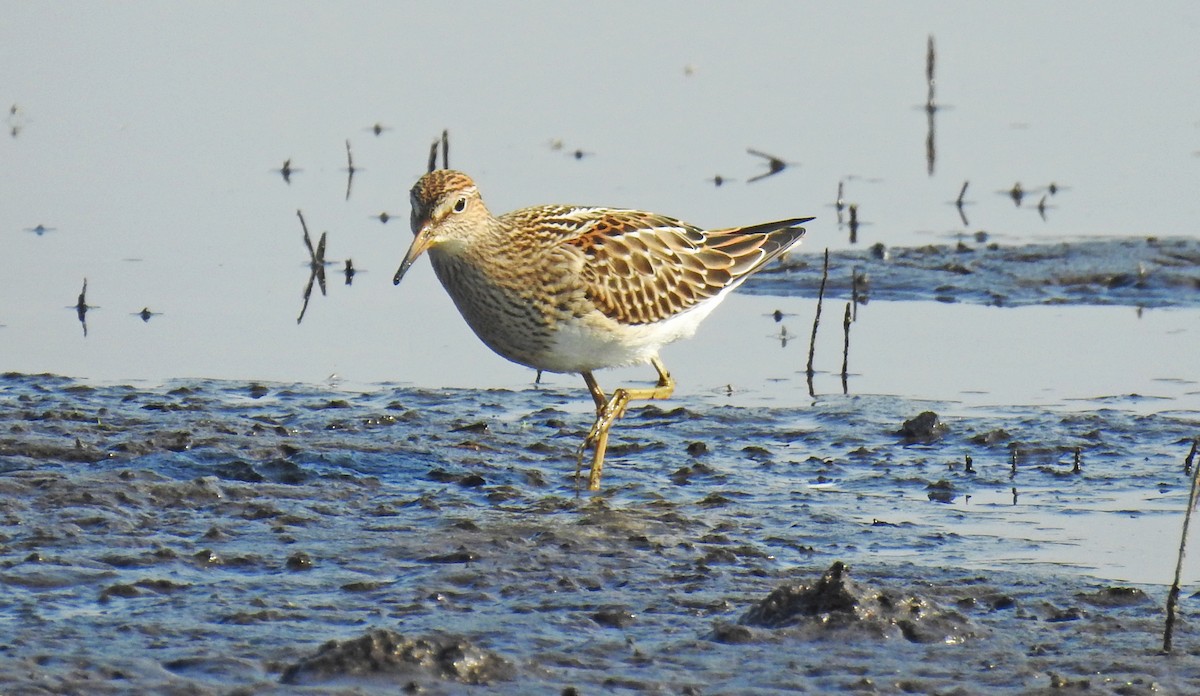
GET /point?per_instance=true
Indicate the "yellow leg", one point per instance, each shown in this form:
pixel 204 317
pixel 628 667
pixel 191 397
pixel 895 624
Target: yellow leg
pixel 609 410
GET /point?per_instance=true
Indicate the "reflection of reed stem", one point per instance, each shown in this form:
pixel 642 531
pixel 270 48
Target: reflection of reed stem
pixel 812 343
pixel 1173 595
pixel 854 291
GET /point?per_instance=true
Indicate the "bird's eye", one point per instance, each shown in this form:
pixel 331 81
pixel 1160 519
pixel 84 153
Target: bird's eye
pixel 461 204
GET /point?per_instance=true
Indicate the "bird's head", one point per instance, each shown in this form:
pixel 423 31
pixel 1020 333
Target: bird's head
pixel 446 209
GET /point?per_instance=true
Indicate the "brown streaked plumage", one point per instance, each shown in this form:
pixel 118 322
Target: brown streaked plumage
pixel 563 288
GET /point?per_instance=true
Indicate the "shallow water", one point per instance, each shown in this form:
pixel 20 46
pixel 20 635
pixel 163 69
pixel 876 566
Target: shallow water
pixel 214 533
pixel 155 163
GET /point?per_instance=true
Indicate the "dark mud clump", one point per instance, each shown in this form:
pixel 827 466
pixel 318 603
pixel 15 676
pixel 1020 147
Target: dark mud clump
pixel 835 603
pixel 385 653
pixel 924 428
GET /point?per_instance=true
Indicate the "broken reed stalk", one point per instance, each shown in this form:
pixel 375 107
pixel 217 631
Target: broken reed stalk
pixel 1173 595
pixel 846 342
pixel 304 226
pixel 812 343
pixel 846 351
pixel 433 150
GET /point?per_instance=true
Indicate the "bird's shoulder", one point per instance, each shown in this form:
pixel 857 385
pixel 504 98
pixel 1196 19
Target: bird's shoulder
pixel 591 228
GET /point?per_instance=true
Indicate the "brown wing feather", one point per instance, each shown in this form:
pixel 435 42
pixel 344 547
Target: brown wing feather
pixel 642 268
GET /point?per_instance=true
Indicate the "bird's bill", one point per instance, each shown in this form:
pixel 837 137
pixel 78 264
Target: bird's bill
pixel 420 243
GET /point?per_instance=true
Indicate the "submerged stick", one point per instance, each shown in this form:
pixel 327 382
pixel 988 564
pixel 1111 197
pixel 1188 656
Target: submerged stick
pixel 812 343
pixel 1173 595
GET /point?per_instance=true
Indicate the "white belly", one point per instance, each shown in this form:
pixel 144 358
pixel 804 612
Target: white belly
pixel 596 342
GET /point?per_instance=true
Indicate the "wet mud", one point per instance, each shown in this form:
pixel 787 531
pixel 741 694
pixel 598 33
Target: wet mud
pixel 1146 272
pixel 220 537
